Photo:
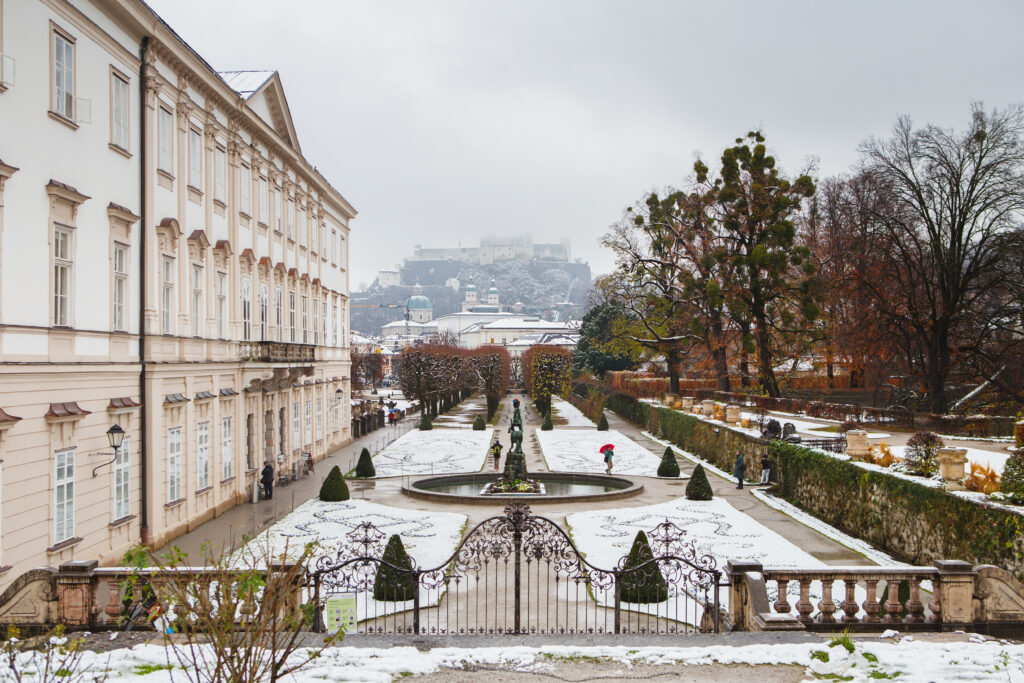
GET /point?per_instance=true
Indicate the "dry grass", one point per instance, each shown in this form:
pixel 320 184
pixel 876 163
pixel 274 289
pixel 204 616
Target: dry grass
pixel 982 479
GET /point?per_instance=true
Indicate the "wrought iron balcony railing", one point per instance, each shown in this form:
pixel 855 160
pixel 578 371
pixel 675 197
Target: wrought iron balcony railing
pixel 276 352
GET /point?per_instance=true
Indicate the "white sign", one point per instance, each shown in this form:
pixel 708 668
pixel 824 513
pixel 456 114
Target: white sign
pixel 341 612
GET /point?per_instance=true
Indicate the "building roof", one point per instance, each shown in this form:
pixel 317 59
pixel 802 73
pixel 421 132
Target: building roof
pixel 418 302
pixel 411 324
pixel 245 83
pixel 520 323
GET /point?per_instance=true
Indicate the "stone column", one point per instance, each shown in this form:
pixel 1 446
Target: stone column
pixel 951 466
pixel 953 594
pixel 741 609
pixel 857 444
pixel 75 593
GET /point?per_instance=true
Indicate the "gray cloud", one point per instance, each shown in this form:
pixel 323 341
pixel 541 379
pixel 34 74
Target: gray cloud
pixel 445 121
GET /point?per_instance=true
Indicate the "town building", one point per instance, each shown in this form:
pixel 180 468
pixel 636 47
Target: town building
pixel 170 263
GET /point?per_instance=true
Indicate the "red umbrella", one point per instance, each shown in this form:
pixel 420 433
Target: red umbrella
pixel 606 447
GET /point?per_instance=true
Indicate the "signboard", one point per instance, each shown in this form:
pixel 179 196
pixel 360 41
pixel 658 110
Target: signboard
pixel 340 613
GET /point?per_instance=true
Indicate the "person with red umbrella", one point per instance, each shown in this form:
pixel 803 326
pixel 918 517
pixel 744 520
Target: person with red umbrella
pixel 608 450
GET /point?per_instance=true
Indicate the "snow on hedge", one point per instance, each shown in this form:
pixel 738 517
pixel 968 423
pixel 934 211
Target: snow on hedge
pixel 577 451
pixel 436 451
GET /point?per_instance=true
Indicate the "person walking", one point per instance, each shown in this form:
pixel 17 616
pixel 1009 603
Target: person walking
pixel 766 466
pixel 496 450
pixel 738 469
pixel 267 479
pixel 609 455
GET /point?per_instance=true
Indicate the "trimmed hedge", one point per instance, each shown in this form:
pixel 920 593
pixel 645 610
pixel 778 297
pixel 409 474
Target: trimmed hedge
pixel 364 467
pixel 425 424
pixel 699 488
pixel 646 584
pixel 478 424
pixel 602 424
pixel 334 489
pixel 668 467
pixel 393 584
pixel 548 425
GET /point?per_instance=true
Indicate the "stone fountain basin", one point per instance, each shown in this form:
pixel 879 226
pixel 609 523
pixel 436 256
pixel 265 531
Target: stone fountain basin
pixel 560 487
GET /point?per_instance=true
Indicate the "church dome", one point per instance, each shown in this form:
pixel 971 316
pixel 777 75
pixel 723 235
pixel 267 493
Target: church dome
pixel 493 289
pixel 418 302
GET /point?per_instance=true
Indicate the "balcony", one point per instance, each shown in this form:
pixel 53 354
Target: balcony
pixel 276 352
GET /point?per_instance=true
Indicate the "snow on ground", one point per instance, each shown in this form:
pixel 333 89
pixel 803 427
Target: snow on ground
pixel 812 429
pixel 429 538
pixel 992 459
pixel 573 450
pixel 437 451
pixel 572 414
pixel 714 527
pixel 906 659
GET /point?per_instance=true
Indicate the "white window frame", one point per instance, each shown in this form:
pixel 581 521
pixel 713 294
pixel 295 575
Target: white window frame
pixel 63 274
pixel 167 295
pixel 120 294
pixel 295 425
pixel 202 456
pixel 309 423
pixel 64 495
pixel 220 174
pixel 122 480
pixel 227 449
pixel 195 158
pixel 279 312
pixel 337 419
pixel 120 111
pixel 174 464
pixel 289 217
pixel 334 332
pixel 264 305
pixel 165 161
pixel 316 321
pixel 245 190
pixel 278 222
pixel 247 309
pixel 264 200
pixel 63 74
pixel 319 418
pixel 305 324
pixel 323 323
pixel 291 316
pixel 222 305
pixel 197 300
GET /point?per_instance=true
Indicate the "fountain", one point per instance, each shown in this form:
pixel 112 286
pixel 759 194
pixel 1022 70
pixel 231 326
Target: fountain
pixel 517 482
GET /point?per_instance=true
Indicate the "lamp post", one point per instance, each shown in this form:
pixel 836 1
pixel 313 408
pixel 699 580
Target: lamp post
pixel 115 437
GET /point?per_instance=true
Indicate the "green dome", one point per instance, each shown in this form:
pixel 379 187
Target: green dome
pixel 419 303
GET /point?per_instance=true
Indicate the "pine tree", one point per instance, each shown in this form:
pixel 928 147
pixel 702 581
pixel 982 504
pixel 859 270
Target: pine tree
pixel 698 487
pixel 548 425
pixel 668 467
pixel 1012 482
pixel 334 488
pixel 425 425
pixel 394 584
pixel 364 467
pixel 478 424
pixel 602 424
pixel 646 584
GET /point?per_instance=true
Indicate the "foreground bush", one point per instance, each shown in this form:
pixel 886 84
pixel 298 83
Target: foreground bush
pixel 602 424
pixel 394 584
pixel 425 425
pixel 478 424
pixel 548 424
pixel 919 457
pixel 668 466
pixel 365 468
pixel 644 584
pixel 698 488
pixel 334 489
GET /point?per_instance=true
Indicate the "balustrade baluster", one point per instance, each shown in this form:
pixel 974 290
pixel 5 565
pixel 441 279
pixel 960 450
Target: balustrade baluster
pixel 114 607
pixel 805 607
pixel 782 602
pixel 826 607
pixel 871 606
pixel 850 606
pixel 915 610
pixel 892 603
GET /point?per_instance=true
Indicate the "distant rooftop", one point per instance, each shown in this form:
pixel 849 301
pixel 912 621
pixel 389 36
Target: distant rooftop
pixel 245 83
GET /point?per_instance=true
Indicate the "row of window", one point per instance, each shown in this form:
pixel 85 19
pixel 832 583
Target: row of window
pixel 64 489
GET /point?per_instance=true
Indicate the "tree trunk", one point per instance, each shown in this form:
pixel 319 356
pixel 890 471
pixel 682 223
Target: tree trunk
pixel 672 360
pixel 719 354
pixel 744 357
pixel 938 367
pixel 764 351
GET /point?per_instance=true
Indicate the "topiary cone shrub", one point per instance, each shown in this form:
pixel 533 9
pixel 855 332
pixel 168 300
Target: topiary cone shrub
pixel 478 424
pixel 364 467
pixel 698 487
pixel 548 424
pixel 642 584
pixel 393 584
pixel 334 488
pixel 669 467
pixel 602 424
pixel 425 424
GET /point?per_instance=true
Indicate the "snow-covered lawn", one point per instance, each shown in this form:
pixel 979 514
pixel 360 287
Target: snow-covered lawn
pixel 993 459
pixel 574 450
pixel 715 528
pixel 906 659
pixel 429 538
pixel 571 414
pixel 437 451
pixel 811 429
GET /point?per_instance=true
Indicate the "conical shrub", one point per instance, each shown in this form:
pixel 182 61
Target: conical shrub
pixel 668 466
pixel 425 424
pixel 602 424
pixel 394 584
pixel 334 488
pixel 364 467
pixel 478 424
pixel 698 487
pixel 548 424
pixel 642 584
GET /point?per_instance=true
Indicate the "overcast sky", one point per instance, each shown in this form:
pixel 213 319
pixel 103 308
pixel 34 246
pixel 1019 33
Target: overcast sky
pixel 444 121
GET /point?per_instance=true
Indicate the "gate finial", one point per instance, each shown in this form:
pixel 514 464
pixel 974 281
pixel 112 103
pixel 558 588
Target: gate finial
pixel 517 512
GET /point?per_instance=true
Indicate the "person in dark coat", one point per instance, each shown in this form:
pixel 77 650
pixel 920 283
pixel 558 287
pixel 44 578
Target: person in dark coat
pixel 766 466
pixel 496 451
pixel 267 478
pixel 739 469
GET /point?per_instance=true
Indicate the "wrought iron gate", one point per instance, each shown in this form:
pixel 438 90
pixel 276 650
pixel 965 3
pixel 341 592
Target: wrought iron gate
pixel 519 573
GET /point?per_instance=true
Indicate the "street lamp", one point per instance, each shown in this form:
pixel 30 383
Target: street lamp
pixel 115 437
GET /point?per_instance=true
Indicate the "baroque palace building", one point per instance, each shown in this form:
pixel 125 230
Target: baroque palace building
pixel 170 263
